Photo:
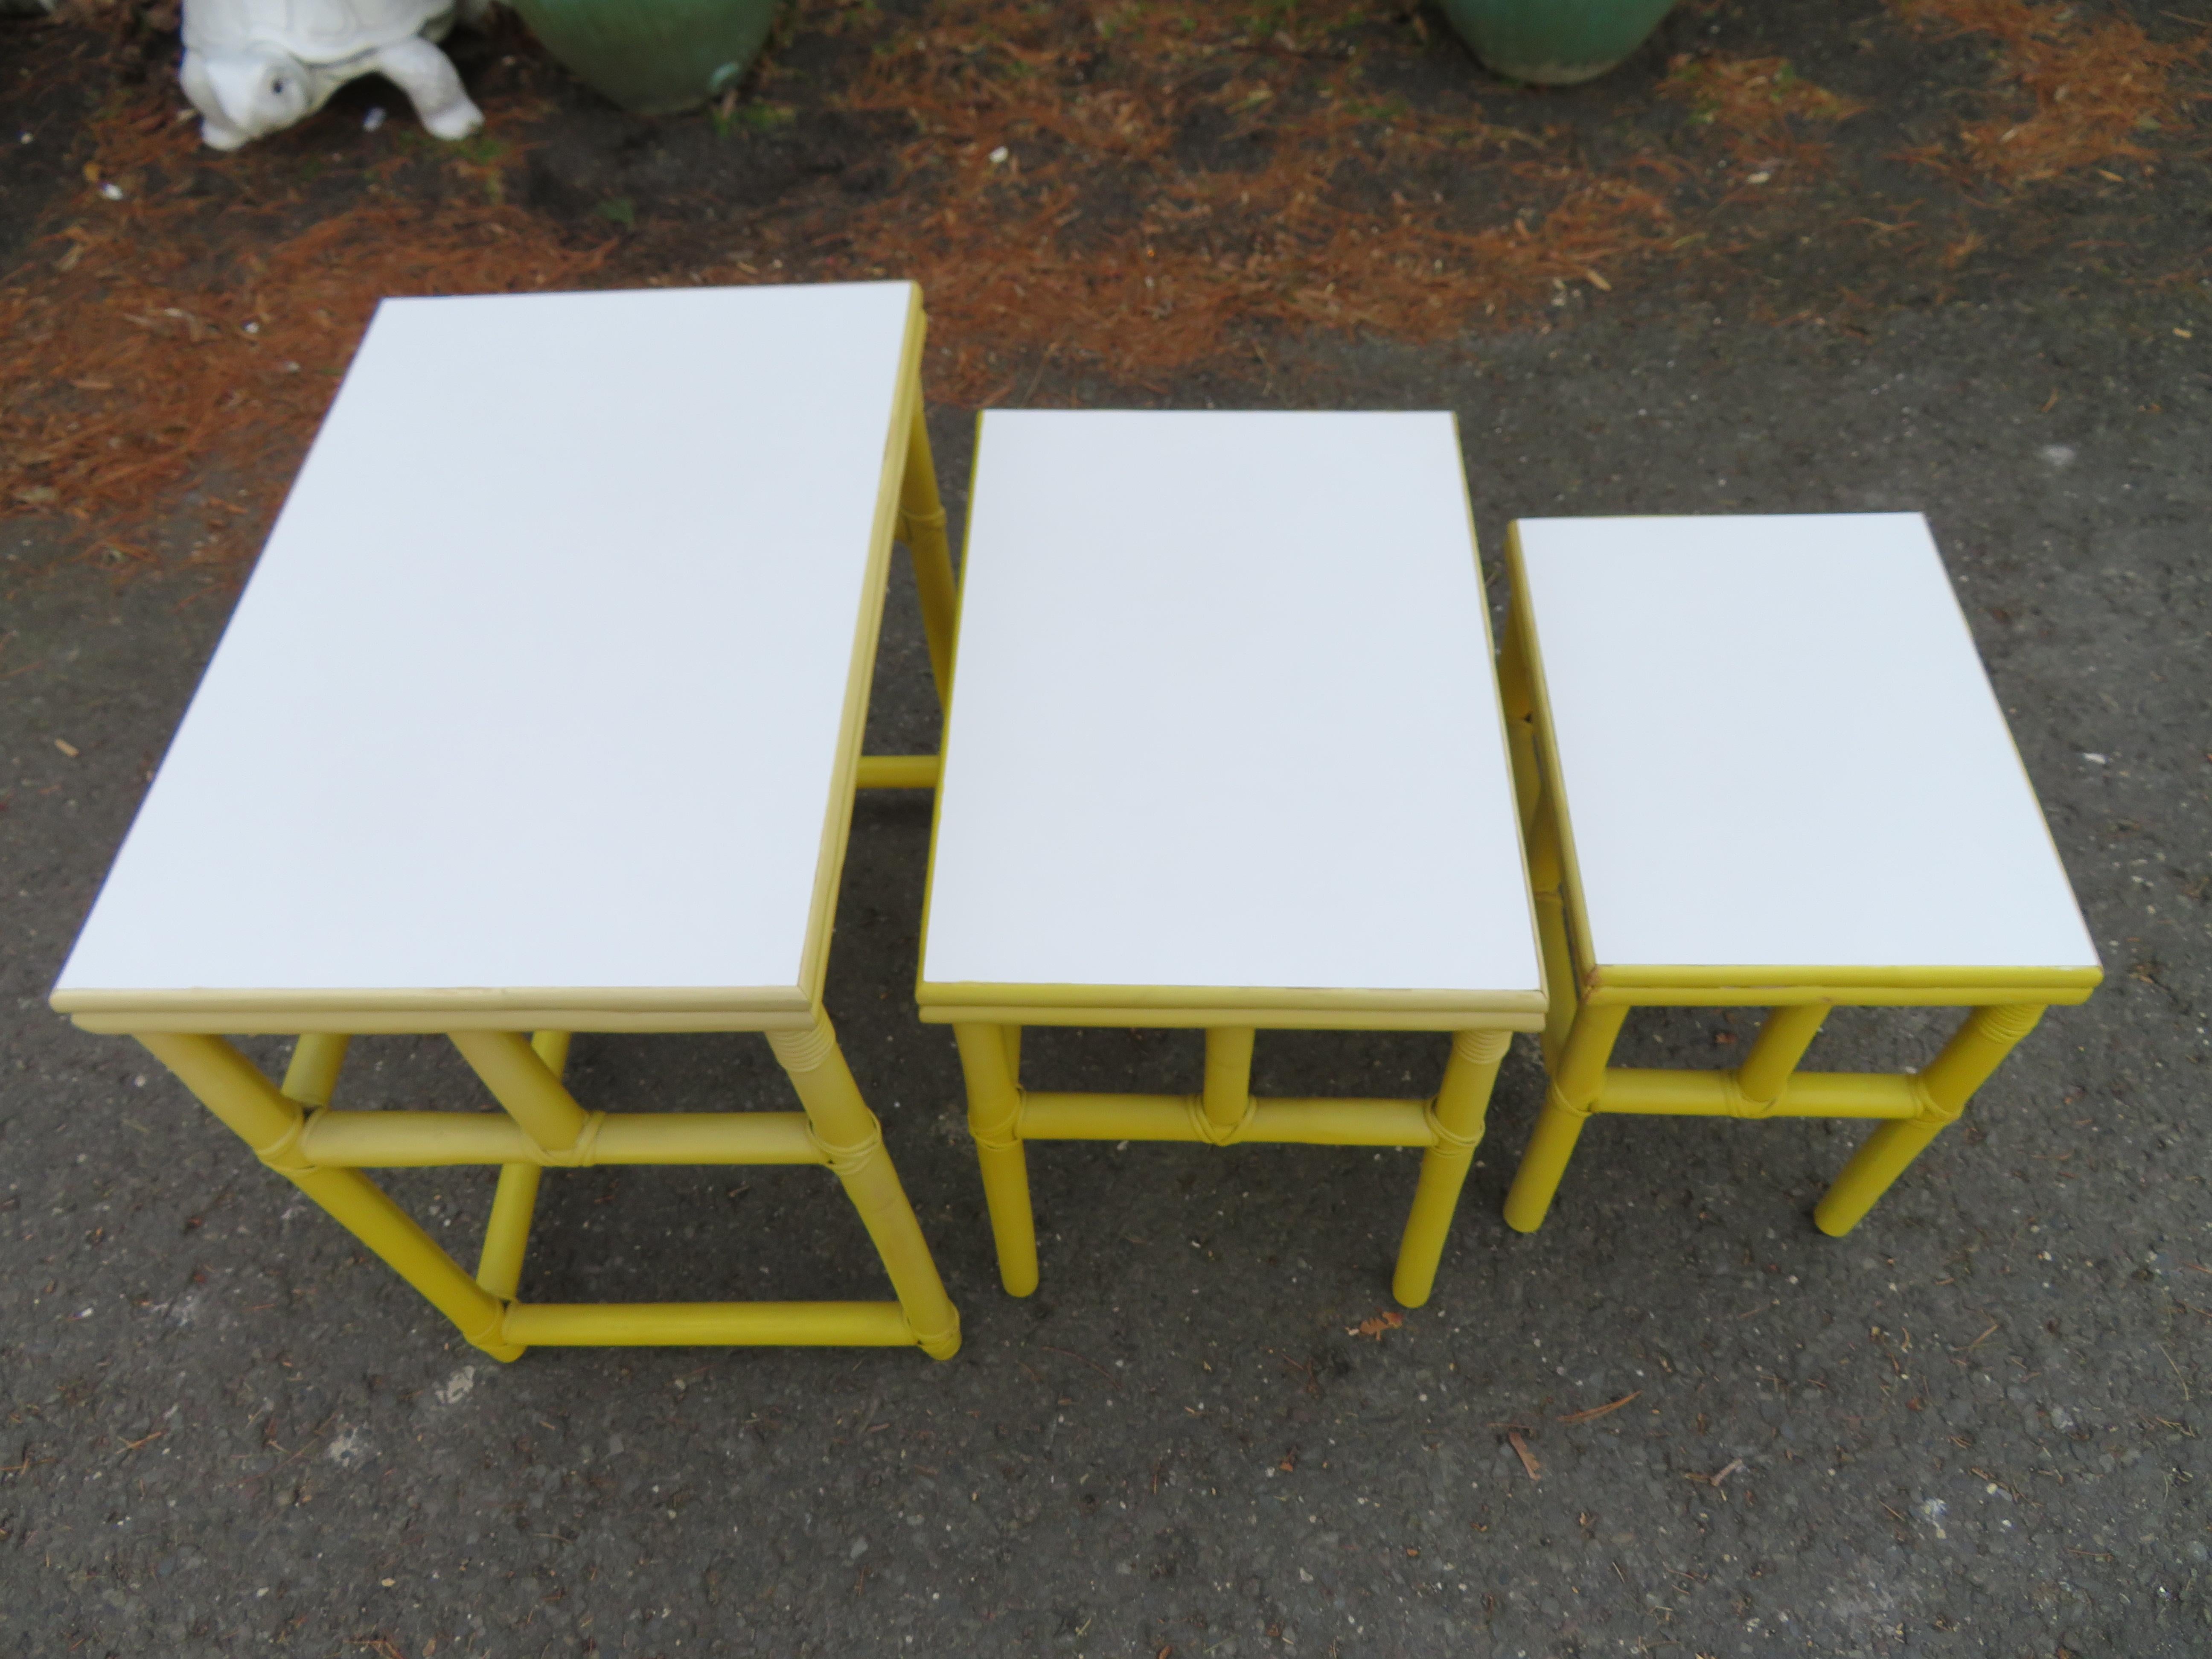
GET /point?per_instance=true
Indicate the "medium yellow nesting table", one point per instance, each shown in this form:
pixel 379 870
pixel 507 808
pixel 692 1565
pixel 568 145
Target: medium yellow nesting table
pixel 1226 752
pixel 541 714
pixel 1761 765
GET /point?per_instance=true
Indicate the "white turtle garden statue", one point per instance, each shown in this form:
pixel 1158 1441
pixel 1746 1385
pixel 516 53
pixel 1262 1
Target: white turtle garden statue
pixel 253 66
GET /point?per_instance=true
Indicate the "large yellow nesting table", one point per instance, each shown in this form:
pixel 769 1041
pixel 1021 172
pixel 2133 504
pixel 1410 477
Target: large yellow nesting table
pixel 1226 752
pixel 1761 766
pixel 540 715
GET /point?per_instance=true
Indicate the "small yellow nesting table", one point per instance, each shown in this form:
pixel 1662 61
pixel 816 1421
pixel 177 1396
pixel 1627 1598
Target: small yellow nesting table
pixel 1226 752
pixel 541 714
pixel 1760 765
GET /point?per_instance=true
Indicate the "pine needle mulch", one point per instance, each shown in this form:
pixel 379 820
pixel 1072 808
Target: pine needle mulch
pixel 1049 203
pixel 1043 205
pixel 1122 193
pixel 1768 115
pixel 154 345
pixel 2074 89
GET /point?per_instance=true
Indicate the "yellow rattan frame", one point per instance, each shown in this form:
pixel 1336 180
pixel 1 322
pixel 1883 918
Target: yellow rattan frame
pixel 1002 1115
pixel 1592 1000
pixel 987 1020
pixel 294 1129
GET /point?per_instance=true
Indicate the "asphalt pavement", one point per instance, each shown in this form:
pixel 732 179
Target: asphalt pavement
pixel 1972 1426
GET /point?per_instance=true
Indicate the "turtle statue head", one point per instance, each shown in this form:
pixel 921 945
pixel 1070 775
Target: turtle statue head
pixel 252 90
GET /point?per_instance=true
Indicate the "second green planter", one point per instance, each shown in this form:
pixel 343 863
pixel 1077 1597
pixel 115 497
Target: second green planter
pixel 1553 42
pixel 653 57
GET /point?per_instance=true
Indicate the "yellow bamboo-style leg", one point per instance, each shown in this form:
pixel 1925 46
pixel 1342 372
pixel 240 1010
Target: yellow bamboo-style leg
pixel 851 1143
pixel 1545 878
pixel 897 772
pixel 921 527
pixel 1781 1042
pixel 521 1080
pixel 312 1076
pixel 1545 867
pixel 515 1201
pixel 552 1048
pixel 989 1061
pixel 1575 1081
pixel 1975 1050
pixel 507 1229
pixel 231 1087
pixel 1455 1118
pixel 1226 1100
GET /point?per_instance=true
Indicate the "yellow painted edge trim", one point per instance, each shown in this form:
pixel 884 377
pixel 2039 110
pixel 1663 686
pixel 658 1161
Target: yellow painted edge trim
pixel 837 824
pixel 1264 1018
pixel 2058 981
pixel 416 1024
pixel 1523 617
pixel 1753 995
pixel 364 1013
pixel 966 993
pixel 1544 986
pixel 946 729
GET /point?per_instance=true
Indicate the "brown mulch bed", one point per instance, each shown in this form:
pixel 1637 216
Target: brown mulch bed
pixel 1128 191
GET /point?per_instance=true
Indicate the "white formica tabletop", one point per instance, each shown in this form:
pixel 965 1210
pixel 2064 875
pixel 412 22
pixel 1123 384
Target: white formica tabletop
pixel 545 691
pixel 1776 746
pixel 1225 725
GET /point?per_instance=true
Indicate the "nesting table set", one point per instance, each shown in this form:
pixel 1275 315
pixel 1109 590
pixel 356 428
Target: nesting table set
pixel 542 712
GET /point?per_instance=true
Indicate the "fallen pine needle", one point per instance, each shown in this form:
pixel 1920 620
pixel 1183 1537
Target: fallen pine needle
pixel 1596 1411
pixel 1527 1458
pixel 1978 1340
pixel 1726 1470
pixel 2177 1377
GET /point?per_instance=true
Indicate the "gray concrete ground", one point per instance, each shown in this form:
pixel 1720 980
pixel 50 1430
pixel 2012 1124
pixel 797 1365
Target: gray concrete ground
pixel 1972 1427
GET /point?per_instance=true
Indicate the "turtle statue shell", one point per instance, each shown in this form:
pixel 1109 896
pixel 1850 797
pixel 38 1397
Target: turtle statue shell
pixel 313 31
pixel 253 66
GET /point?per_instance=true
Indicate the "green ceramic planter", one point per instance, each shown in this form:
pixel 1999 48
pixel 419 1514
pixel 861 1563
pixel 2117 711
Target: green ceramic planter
pixel 653 57
pixel 1555 43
